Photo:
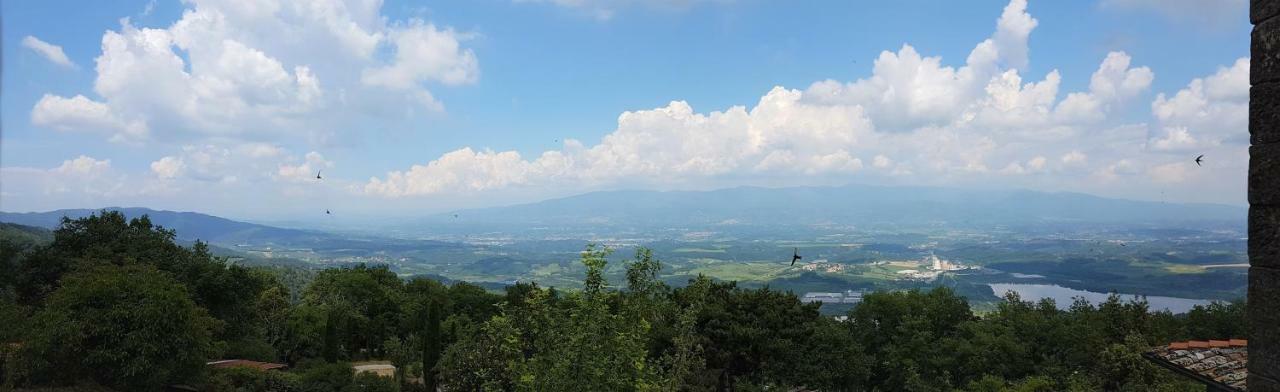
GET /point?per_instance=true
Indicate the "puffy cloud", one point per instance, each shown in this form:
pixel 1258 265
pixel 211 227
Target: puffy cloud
pixel 1012 30
pixel 1209 111
pixel 80 113
pixel 168 167
pixel 83 178
pixel 1037 163
pixel 1175 139
pixel 1116 170
pixel 230 68
pixel 424 53
pixel 1114 82
pixel 49 51
pixel 463 169
pixel 83 165
pixel 251 163
pixel 311 166
pixel 881 161
pixel 943 122
pixel 1074 157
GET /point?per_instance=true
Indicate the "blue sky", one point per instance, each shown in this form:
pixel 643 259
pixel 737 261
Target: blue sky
pixel 229 107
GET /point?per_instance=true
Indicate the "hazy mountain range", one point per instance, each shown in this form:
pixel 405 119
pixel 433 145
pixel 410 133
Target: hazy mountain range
pixel 189 226
pixel 853 205
pixel 861 205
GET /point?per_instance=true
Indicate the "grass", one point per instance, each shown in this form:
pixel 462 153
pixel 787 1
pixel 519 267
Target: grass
pixel 745 271
pixel 1184 269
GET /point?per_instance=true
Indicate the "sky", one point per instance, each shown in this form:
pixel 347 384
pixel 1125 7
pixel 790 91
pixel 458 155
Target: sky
pixel 231 107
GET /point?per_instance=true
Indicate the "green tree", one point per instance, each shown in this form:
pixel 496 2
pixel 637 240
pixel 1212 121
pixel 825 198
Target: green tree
pixel 325 376
pixel 364 308
pixel 488 359
pixel 227 292
pixel 599 349
pixel 913 336
pixel 432 346
pixel 369 382
pixel 131 327
pixel 246 379
pixel 402 352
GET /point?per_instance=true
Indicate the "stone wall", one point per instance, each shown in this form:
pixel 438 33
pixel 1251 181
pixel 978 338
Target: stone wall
pixel 1264 197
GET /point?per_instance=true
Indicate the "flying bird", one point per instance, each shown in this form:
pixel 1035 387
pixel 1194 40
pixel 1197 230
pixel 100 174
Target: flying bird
pixel 317 174
pixel 795 255
pixel 326 212
pixel 1199 158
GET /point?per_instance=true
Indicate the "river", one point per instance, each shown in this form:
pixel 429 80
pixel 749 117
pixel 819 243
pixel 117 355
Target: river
pixel 1065 296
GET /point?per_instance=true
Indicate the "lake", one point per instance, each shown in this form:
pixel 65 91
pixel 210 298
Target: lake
pixel 1065 296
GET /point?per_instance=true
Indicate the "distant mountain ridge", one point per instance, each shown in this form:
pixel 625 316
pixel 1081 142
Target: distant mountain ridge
pixel 850 204
pixel 189 226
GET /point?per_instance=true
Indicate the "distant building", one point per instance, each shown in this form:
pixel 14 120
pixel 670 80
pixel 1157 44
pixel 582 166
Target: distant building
pixel 852 297
pixel 380 369
pixel 829 298
pixel 938 264
pixel 847 297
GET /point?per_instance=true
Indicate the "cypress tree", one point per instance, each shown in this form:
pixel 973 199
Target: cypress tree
pixel 431 346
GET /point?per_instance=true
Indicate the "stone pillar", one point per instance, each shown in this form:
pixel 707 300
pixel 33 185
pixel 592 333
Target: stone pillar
pixel 1264 197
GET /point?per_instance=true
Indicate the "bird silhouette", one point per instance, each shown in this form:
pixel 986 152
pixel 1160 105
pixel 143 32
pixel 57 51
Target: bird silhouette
pixel 317 174
pixel 1198 159
pixel 795 255
pixel 326 212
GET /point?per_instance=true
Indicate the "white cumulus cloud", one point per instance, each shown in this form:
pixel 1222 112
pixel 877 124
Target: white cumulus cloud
pixel 266 69
pixel 168 167
pixel 939 122
pixel 84 114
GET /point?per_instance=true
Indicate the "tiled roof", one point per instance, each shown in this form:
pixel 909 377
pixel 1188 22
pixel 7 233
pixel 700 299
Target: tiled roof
pixel 1218 363
pixel 228 363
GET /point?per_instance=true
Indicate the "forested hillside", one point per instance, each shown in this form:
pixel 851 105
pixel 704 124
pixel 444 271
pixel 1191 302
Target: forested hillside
pixel 116 304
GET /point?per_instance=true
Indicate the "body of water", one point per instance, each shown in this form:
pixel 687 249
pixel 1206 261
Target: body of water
pixel 1065 296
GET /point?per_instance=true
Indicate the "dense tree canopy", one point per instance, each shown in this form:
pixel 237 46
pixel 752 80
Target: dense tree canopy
pixel 129 327
pixel 115 303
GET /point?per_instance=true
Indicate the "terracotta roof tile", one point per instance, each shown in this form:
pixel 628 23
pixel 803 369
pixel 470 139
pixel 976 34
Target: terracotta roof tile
pixel 229 363
pixel 1219 363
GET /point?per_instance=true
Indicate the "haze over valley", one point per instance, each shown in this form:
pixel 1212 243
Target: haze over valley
pixel 852 238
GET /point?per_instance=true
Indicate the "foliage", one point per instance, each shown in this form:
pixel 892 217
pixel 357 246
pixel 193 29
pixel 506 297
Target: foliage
pixel 245 379
pixel 325 377
pixel 130 327
pixel 369 382
pixel 119 303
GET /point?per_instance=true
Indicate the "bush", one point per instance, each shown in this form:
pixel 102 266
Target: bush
pixel 369 382
pixel 129 328
pixel 325 377
pixel 244 379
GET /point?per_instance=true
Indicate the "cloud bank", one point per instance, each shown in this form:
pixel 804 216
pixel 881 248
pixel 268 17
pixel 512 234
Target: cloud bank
pixel 913 120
